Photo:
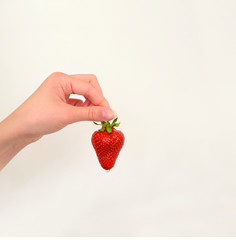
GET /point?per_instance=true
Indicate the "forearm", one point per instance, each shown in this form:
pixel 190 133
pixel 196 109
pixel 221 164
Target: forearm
pixel 12 140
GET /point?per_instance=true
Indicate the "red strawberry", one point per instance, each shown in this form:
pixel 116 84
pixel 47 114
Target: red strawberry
pixel 107 143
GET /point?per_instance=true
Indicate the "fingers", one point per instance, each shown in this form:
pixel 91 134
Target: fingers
pixel 87 103
pixel 75 102
pixel 75 85
pixel 91 113
pixel 90 78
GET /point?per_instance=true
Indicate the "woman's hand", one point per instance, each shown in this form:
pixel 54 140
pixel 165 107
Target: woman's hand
pixel 50 109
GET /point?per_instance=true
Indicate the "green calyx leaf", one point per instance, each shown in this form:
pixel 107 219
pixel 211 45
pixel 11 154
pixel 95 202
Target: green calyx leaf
pixel 109 129
pixel 102 129
pixel 114 121
pixel 107 126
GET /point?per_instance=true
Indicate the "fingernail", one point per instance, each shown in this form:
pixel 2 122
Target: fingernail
pixel 115 114
pixel 108 114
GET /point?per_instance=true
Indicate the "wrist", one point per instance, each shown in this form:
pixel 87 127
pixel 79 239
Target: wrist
pixel 12 131
pixel 13 138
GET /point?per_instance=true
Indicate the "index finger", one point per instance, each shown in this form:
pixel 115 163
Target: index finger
pixel 81 87
pixel 91 78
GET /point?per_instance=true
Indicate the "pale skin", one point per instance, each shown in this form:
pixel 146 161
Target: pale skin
pixel 50 109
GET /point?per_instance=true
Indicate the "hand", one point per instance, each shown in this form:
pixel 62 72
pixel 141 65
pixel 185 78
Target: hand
pixel 50 109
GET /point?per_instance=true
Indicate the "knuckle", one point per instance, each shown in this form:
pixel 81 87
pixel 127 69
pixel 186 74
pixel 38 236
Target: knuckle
pixel 93 76
pixel 89 91
pixel 91 114
pixel 56 75
pixel 58 78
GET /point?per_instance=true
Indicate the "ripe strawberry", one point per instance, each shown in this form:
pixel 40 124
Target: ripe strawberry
pixel 107 143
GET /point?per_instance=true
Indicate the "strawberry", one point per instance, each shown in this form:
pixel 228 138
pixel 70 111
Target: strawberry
pixel 107 143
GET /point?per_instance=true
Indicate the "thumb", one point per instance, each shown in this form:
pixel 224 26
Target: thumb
pixel 91 113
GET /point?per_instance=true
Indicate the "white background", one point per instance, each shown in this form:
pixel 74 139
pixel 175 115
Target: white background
pixel 169 69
